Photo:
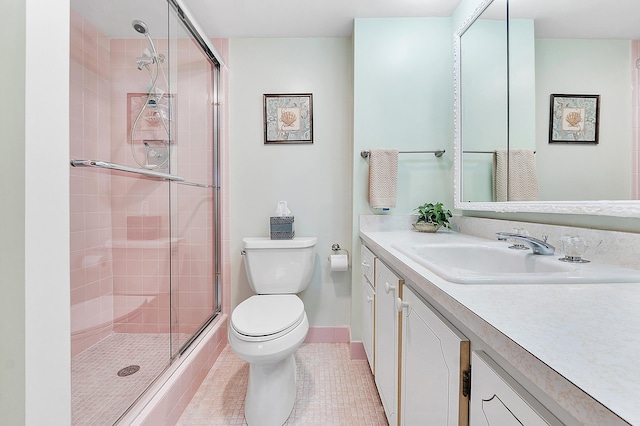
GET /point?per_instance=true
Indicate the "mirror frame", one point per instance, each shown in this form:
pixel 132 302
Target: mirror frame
pixel 619 208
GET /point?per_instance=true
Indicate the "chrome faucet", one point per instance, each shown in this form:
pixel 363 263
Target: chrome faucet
pixel 537 246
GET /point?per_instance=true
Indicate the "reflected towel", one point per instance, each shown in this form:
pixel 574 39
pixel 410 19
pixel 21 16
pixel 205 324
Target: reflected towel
pixel 383 178
pixel 523 180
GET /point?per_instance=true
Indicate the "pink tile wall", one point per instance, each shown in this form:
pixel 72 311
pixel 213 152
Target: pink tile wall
pixel 142 269
pixel 635 155
pixel 90 219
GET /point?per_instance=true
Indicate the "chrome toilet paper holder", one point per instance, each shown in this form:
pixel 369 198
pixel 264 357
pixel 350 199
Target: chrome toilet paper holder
pixel 336 249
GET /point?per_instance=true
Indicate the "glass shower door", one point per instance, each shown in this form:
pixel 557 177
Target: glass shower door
pixel 120 233
pixel 194 205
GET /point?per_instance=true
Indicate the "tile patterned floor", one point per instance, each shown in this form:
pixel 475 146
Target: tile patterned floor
pixel 332 390
pixel 98 395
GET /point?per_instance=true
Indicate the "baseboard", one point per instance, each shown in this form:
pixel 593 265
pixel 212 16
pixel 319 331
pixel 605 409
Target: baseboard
pixel 357 350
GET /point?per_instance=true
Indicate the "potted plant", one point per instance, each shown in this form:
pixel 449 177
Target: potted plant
pixel 431 217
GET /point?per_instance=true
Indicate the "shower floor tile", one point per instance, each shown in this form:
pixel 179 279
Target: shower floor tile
pixel 98 395
pixel 332 390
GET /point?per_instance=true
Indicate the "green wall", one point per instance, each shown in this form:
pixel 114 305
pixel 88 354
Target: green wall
pixel 403 99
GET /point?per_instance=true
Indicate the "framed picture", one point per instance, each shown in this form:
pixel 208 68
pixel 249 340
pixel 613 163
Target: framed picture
pixel 288 118
pixel 574 119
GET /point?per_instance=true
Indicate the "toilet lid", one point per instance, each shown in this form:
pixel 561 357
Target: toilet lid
pixel 264 315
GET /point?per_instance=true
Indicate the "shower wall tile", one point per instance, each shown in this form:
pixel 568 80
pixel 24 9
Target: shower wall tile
pixel 91 277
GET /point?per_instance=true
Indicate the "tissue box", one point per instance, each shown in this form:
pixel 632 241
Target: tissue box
pixel 281 227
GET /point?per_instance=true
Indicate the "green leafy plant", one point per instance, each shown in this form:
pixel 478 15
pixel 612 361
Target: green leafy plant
pixel 433 213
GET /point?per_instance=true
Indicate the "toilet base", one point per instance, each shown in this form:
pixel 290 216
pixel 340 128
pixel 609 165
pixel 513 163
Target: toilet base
pixel 271 393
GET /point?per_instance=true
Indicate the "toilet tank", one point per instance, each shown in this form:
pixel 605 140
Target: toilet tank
pixel 279 266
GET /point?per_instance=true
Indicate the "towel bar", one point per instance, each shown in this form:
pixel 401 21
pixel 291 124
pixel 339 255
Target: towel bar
pixel 437 153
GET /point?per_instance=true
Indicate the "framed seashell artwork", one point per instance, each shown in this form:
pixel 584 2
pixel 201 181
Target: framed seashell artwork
pixel 574 119
pixel 288 118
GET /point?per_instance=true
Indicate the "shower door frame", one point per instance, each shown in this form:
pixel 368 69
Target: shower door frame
pixel 217 235
pixel 210 52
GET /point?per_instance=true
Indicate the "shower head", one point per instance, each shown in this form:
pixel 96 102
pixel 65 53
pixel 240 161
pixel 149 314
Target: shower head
pixel 140 26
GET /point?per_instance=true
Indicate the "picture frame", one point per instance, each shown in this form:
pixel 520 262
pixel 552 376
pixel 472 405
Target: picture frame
pixel 574 119
pixel 288 118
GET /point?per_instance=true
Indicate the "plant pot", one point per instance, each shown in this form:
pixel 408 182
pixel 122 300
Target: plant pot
pixel 426 226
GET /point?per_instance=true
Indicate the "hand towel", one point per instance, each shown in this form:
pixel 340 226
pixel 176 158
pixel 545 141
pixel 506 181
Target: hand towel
pixel 523 179
pixel 383 178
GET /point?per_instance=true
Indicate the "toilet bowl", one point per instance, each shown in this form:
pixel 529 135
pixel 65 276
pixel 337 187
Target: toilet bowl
pixel 266 329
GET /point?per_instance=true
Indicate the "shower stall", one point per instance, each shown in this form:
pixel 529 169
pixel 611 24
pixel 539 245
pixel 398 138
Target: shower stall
pixel 144 194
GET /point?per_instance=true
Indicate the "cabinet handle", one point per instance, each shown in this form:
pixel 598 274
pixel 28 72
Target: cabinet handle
pixel 400 304
pixel 369 299
pixel 365 264
pixel 388 288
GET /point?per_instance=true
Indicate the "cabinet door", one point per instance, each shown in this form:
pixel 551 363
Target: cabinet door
pixel 434 357
pixel 498 400
pixel 367 262
pixel 368 304
pixel 368 312
pixel 386 339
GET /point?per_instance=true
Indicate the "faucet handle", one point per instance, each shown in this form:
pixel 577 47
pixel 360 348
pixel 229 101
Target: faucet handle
pixel 516 243
pixel 573 248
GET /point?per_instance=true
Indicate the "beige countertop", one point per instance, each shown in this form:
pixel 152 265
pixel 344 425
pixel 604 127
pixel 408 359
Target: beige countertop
pixel 579 343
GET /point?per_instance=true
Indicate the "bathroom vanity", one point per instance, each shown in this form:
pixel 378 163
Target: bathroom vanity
pixel 506 352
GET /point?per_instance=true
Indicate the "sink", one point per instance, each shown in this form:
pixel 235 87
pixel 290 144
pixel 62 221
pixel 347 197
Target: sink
pixel 494 263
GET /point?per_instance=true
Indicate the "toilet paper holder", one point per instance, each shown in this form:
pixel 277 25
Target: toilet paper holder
pixel 336 249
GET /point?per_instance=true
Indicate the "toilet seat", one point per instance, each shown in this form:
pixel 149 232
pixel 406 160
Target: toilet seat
pixel 267 317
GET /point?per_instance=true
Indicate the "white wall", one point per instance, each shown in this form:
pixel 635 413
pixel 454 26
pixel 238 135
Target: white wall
pixel 314 179
pixel 34 186
pixel 12 223
pixel 403 98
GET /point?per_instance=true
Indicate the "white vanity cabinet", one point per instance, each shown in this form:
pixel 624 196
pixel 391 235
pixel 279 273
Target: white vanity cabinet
pixel 368 304
pixel 435 363
pixel 498 400
pixel 388 287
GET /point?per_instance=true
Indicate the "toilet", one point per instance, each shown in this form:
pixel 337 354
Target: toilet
pixel 267 328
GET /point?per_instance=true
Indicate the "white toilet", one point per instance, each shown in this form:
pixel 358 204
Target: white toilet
pixel 266 329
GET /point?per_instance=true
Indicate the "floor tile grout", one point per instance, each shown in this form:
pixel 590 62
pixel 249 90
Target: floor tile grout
pixel 332 389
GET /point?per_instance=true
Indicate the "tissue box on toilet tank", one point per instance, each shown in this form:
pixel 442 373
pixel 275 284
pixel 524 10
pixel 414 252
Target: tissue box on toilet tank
pixel 281 227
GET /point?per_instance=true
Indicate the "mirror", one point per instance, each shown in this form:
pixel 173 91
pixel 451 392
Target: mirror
pixel 483 113
pixel 552 50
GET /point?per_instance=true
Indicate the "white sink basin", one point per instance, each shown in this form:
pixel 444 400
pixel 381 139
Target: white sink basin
pixel 495 263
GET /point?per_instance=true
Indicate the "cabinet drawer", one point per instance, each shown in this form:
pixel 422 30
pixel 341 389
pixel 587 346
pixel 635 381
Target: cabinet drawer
pixel 367 259
pixel 498 400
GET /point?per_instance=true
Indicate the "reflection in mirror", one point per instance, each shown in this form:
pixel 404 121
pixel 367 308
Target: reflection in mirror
pixel 558 50
pixel 585 66
pixel 483 75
